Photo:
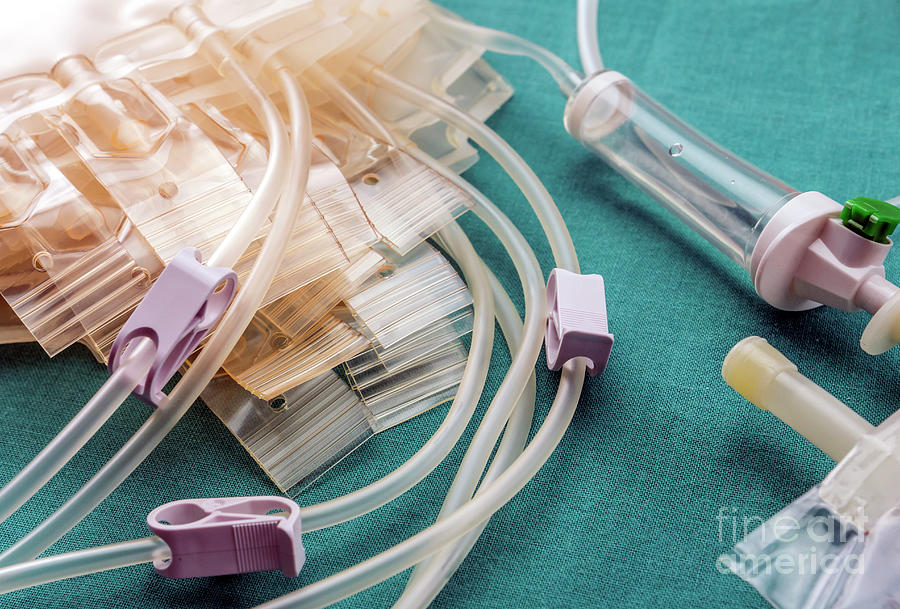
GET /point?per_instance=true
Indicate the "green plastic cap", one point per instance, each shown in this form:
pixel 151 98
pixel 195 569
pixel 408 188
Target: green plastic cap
pixel 872 218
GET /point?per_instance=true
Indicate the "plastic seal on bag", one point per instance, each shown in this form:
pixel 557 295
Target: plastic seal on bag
pixel 286 362
pixel 297 337
pixel 69 268
pixel 398 394
pixel 423 289
pixel 340 209
pixel 298 435
pixel 413 348
pixel 297 312
pixel 808 556
pixel 407 201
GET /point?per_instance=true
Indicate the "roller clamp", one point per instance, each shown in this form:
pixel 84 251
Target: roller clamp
pixel 576 321
pixel 183 305
pixel 230 535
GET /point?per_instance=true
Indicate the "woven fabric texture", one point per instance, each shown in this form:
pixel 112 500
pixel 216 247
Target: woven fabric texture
pixel 627 512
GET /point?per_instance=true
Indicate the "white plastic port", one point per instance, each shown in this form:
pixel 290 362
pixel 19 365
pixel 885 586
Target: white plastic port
pixel 764 376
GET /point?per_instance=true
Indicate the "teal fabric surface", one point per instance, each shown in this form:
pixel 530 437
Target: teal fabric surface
pixel 627 512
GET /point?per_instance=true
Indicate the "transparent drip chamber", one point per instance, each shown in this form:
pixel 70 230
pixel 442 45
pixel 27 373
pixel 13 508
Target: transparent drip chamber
pixel 722 197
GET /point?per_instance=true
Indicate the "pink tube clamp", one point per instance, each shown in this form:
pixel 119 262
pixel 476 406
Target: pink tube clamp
pixel 230 535
pixel 183 305
pixel 576 321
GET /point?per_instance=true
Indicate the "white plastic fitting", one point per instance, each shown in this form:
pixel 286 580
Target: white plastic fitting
pixel 805 258
pixel 766 378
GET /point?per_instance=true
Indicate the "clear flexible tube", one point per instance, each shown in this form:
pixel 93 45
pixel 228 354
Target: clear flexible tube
pixel 80 429
pixel 219 53
pixel 493 496
pixel 83 562
pixel 451 25
pixel 544 208
pixel 588 45
pixel 471 515
pixel 447 435
pixel 430 576
pixel 207 363
pixel 103 558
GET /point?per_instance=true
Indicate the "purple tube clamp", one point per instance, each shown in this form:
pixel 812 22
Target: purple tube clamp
pixel 183 305
pixel 230 535
pixel 576 321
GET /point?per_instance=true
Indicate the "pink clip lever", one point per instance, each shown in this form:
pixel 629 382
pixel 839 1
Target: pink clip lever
pixel 576 321
pixel 183 304
pixel 230 535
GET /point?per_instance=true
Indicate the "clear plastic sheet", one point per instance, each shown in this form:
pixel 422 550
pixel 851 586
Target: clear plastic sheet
pixel 299 434
pixel 423 289
pixel 402 394
pixel 297 337
pixel 298 312
pixel 281 361
pixel 809 557
pixel 338 206
pixel 801 557
pixel 407 201
pixel 412 348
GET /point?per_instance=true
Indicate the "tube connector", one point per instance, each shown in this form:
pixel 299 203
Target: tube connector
pixel 766 378
pixel 806 257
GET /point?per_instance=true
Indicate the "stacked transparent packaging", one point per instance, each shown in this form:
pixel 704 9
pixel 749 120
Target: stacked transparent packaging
pixel 111 163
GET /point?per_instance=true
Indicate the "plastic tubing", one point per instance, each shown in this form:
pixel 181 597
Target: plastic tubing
pixel 558 236
pixel 453 26
pixel 469 516
pixel 491 497
pixel 471 386
pixel 104 558
pixel 83 562
pixel 219 53
pixel 457 419
pixel 588 45
pixel 430 576
pixel 210 358
pixel 80 429
pixel 355 110
pixel 434 451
